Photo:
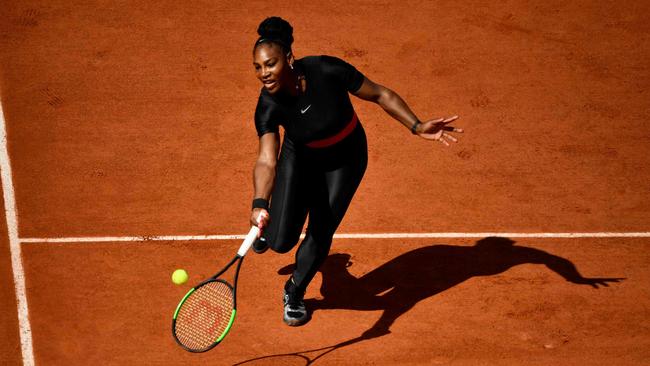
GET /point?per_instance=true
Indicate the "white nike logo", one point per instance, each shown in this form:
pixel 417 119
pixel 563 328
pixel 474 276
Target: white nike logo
pixel 305 110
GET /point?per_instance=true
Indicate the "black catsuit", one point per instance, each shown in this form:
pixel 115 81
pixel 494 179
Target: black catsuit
pixel 319 181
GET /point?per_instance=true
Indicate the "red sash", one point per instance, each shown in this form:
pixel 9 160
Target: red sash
pixel 338 137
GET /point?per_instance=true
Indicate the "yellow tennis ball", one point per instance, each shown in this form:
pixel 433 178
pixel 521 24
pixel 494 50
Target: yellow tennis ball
pixel 179 276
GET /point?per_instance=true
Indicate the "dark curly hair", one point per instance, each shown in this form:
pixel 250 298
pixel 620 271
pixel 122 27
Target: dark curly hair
pixel 275 30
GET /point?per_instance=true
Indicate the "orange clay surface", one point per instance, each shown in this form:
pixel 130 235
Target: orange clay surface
pixel 136 119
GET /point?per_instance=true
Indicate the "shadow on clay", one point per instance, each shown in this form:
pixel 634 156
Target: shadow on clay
pixel 399 284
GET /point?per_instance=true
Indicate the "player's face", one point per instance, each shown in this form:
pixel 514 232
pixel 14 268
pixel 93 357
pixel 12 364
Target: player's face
pixel 271 67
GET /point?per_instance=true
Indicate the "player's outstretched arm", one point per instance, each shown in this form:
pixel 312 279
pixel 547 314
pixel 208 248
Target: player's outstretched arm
pixel 435 129
pixel 264 175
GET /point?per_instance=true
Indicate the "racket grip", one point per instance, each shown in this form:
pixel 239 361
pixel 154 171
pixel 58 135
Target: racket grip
pixel 248 241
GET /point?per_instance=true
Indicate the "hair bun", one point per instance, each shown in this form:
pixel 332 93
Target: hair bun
pixel 276 28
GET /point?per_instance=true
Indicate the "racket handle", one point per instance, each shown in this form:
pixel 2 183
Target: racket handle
pixel 248 241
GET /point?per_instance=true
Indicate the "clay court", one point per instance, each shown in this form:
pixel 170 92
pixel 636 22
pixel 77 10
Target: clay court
pixel 129 150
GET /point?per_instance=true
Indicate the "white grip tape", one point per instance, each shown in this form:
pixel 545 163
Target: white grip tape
pixel 248 241
pixel 250 237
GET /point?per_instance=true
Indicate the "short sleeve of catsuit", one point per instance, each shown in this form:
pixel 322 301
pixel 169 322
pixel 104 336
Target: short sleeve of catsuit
pixel 343 72
pixel 267 115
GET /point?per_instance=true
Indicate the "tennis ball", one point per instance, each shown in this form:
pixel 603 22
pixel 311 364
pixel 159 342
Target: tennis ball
pixel 179 276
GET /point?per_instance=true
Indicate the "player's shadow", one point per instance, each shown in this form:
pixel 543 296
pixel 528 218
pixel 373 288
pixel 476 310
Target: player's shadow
pixel 397 285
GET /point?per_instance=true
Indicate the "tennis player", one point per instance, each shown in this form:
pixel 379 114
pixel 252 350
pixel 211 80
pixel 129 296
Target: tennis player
pixel 323 155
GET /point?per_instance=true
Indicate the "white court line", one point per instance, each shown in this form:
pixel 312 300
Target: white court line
pixel 14 246
pixel 100 239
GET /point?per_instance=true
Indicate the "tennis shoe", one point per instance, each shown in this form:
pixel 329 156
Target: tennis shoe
pixel 260 245
pixel 295 311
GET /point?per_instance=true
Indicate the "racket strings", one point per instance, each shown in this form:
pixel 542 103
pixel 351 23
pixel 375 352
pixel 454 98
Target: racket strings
pixel 205 315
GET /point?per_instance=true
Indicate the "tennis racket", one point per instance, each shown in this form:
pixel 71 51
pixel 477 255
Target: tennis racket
pixel 205 315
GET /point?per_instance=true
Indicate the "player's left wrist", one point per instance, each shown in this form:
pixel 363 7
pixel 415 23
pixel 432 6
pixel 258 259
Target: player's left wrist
pixel 416 125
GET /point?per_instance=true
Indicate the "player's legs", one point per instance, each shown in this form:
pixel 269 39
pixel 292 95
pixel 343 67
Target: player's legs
pixel 331 186
pixel 331 194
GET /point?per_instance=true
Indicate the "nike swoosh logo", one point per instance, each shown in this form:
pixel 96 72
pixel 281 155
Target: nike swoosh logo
pixel 305 110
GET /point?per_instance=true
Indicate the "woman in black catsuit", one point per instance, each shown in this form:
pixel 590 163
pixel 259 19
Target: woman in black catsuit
pixel 323 155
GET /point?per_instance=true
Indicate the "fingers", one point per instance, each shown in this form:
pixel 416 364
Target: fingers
pixel 263 219
pixel 450 119
pixel 262 222
pixel 444 137
pixel 437 129
pixel 260 218
pixel 452 129
pixel 443 122
pixel 450 137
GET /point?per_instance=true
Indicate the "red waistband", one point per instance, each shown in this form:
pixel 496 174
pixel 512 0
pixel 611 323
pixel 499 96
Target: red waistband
pixel 347 130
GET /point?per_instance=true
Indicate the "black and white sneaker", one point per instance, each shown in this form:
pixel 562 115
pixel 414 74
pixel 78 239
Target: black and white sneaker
pixel 295 312
pixel 260 245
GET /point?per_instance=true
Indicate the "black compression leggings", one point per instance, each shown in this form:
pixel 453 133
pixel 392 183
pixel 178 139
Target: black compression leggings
pixel 318 182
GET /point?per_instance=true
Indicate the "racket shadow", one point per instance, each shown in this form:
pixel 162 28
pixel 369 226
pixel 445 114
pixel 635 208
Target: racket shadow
pixel 300 358
pixel 399 284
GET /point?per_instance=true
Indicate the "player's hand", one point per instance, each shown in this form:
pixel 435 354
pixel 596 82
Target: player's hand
pixel 438 130
pixel 260 218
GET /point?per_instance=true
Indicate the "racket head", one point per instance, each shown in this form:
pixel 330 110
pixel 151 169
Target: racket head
pixel 204 316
